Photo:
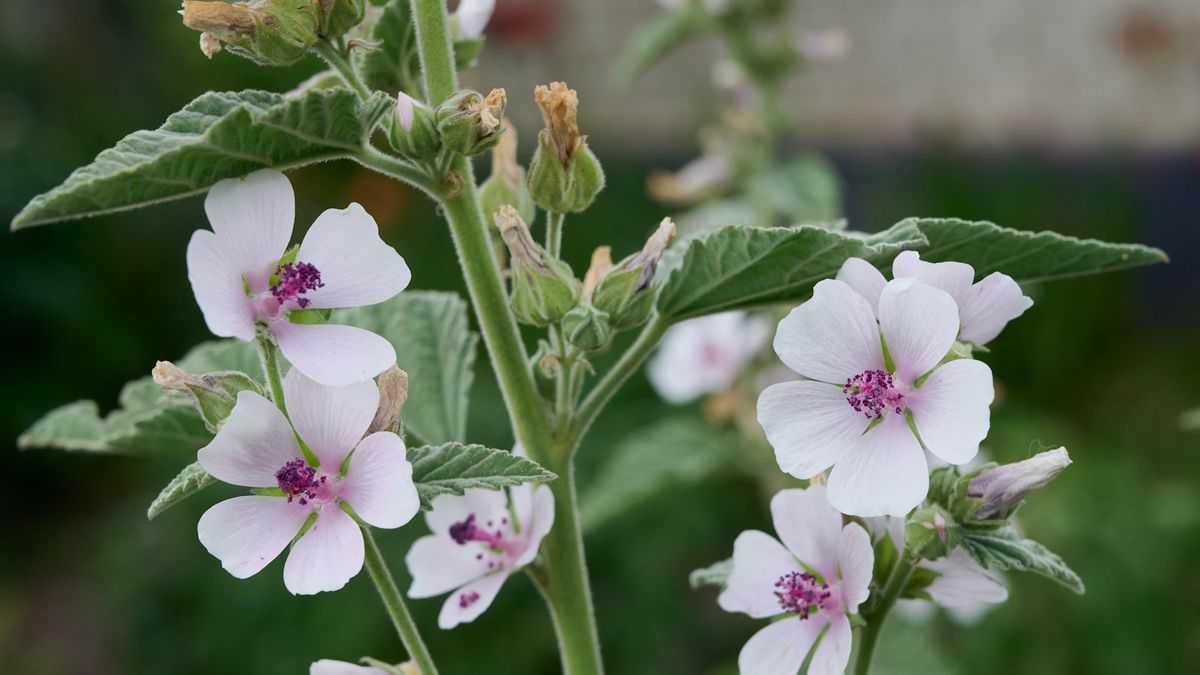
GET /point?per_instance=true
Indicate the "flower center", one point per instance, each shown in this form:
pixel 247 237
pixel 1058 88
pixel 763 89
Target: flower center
pixel 801 593
pixel 492 534
pixel 298 479
pixel 872 392
pixel 296 279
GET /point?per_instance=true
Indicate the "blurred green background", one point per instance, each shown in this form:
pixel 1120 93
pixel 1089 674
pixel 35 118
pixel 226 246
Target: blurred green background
pixel 87 586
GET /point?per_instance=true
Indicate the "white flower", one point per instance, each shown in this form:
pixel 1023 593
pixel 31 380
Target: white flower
pixel 332 667
pixel 478 541
pixel 815 580
pixel 240 282
pixel 861 411
pixel 258 448
pixel 706 355
pixel 984 308
pixel 472 16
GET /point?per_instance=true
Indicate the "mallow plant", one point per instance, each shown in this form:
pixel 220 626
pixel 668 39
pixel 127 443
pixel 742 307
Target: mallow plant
pixel 337 396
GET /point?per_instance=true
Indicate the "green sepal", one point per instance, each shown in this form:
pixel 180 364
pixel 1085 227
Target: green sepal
pixel 268 492
pixel 618 293
pixel 920 580
pixel 564 189
pixel 421 141
pixel 587 328
pixel 309 316
pixel 338 16
pixel 930 533
pixel 542 297
pixel 886 555
pixel 460 126
pixel 288 258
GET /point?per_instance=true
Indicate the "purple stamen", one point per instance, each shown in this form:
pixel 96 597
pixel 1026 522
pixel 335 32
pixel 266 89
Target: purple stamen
pixel 298 479
pixel 872 392
pixel 296 279
pixel 467 599
pixel 466 531
pixel 801 593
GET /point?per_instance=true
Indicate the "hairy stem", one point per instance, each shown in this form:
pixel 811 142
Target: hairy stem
pixel 622 370
pixel 269 360
pixel 335 56
pixel 896 582
pixel 394 602
pixel 554 227
pixel 398 169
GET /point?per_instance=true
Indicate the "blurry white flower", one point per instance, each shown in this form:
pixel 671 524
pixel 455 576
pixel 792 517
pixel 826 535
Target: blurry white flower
pixel 472 16
pixel 706 355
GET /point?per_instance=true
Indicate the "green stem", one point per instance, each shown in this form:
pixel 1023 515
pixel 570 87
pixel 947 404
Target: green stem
pixel 433 45
pixel 622 370
pixel 554 227
pixel 394 602
pixel 269 361
pixel 896 582
pixel 333 55
pixel 397 168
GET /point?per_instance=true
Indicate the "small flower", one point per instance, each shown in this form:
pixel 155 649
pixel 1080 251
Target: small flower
pixel 814 580
pixel 240 282
pixel 1003 487
pixel 478 540
pixel 868 413
pixel 984 308
pixel 471 17
pixel 257 448
pixel 706 355
pixel 332 667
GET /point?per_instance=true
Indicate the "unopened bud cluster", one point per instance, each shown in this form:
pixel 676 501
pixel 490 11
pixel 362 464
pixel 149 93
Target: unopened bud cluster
pixel 270 32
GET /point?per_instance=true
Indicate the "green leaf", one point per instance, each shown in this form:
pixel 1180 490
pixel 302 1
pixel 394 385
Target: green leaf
pixel 393 65
pixel 191 480
pixel 737 266
pixel 715 574
pixel 1004 549
pixel 803 191
pixel 1025 256
pixel 451 468
pixel 669 454
pixel 429 331
pixel 658 37
pixel 219 135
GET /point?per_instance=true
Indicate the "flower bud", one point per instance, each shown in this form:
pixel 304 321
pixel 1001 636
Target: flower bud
pixel 214 394
pixel 587 328
pixel 268 32
pixel 393 392
pixel 546 366
pixel 564 175
pixel 413 132
pixel 625 292
pixel 470 123
pixel 1002 488
pixel 339 16
pixel 543 289
pixel 506 184
pixel 930 533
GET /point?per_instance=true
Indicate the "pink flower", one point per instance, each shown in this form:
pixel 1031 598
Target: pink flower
pixel 815 579
pixel 471 17
pixel 240 283
pixel 478 540
pixel 331 667
pixel 984 308
pixel 706 355
pixel 258 448
pixel 867 414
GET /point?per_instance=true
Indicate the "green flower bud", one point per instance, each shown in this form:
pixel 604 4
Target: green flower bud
pixel 930 533
pixel 587 328
pixel 470 123
pixel 506 184
pixel 268 32
pixel 545 365
pixel 214 394
pixel 543 289
pixel 413 132
pixel 339 16
pixel 564 175
pixel 626 292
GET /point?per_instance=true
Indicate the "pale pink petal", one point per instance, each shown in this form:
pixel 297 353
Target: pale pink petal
pixel 217 284
pixel 953 277
pixel 450 509
pixel 331 420
pixel 758 562
pixel 378 484
pixel 247 533
pixel 864 279
pixel 951 411
pixel 963 582
pixel 328 555
pixel 856 561
pixel 439 564
pixel 538 525
pixel 833 651
pixel 473 17
pixel 254 443
pixel 885 475
pixel 919 324
pixel 468 602
pixel 832 337
pixel 705 355
pixel 780 648
pixel 356 267
pixel 334 355
pixel 405 110
pixel 809 527
pixel 988 306
pixel 809 424
pixel 253 217
pixel 331 667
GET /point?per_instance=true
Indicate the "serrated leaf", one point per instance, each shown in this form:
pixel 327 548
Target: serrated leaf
pixel 452 468
pixel 667 455
pixel 656 38
pixel 219 135
pixel 394 64
pixel 737 266
pixel 715 574
pixel 803 191
pixel 191 480
pixel 434 346
pixel 1005 549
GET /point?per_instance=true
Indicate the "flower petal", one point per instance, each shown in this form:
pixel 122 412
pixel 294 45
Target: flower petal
pixel 809 527
pixel 217 284
pixel 988 306
pixel 333 355
pixel 331 420
pixel 327 556
pixel 864 279
pixel 833 652
pixel 705 355
pixel 356 267
pixel 953 277
pixel 832 337
pixel 473 17
pixel 809 424
pixel 950 409
pixel 919 324
pixel 331 667
pixel 963 582
pixel 886 474
pixel 379 482
pixel 255 442
pixel 856 561
pixel 450 509
pixel 780 648
pixel 538 523
pixel 758 562
pixel 247 533
pixel 253 218
pixel 438 564
pixel 468 602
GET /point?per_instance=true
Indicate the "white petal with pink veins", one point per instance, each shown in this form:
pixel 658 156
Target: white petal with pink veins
pixel 856 561
pixel 333 355
pixel 833 653
pixel 832 337
pixel 217 284
pixel 247 533
pixel 468 602
pixel 951 411
pixel 758 562
pixel 886 474
pixel 378 484
pixel 450 509
pixel 439 564
pixel 253 217
pixel 705 355
pixel 328 555
pixel 809 424
pixel 919 324
pixel 864 279
pixel 963 582
pixel 953 277
pixel 331 420
pixel 357 268
pixel 809 527
pixel 331 667
pixel 988 306
pixel 537 525
pixel 254 443
pixel 780 648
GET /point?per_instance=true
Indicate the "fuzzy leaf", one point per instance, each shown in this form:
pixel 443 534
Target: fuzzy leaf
pixel 218 135
pixel 191 480
pixel 394 65
pixel 804 191
pixel 451 468
pixel 1004 549
pixel 715 574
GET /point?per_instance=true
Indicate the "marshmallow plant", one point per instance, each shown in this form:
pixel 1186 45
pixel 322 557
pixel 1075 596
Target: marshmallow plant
pixel 369 424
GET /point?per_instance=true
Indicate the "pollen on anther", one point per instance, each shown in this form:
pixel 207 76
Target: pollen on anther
pixel 299 480
pixel 872 392
pixel 465 600
pixel 296 279
pixel 800 593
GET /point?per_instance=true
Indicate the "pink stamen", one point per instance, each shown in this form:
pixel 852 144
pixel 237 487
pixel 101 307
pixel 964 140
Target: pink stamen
pixel 873 392
pixel 296 279
pixel 467 599
pixel 801 593
pixel 467 531
pixel 298 479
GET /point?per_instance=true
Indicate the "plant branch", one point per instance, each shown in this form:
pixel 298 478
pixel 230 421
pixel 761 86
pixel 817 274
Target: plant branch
pixel 897 580
pixel 399 169
pixel 554 227
pixel 334 55
pixel 269 360
pixel 622 370
pixel 396 608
